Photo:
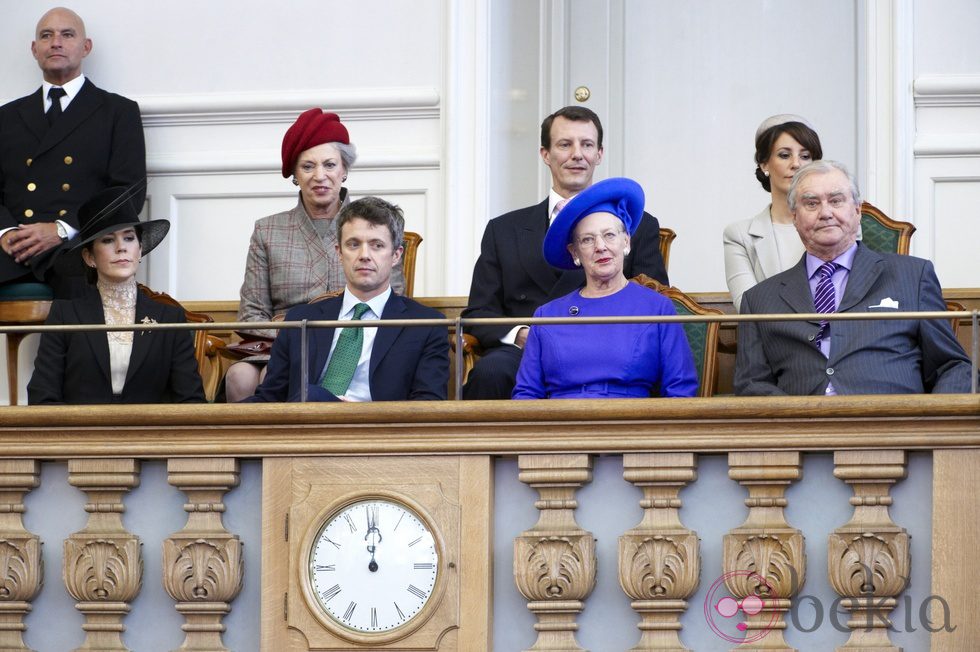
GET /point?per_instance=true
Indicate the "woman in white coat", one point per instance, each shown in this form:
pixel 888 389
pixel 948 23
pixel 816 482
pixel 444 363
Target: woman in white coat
pixel 768 243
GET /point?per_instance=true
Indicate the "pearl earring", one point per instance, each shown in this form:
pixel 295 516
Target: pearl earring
pixel 626 251
pixel 578 263
pixel 345 178
pixel 295 182
pixel 765 172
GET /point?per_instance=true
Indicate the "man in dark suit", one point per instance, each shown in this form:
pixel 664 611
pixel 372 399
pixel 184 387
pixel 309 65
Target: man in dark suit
pixel 59 146
pixel 362 364
pixel 839 274
pixel 511 277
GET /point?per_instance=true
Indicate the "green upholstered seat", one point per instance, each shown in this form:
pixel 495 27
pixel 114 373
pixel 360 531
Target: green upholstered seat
pixel 26 292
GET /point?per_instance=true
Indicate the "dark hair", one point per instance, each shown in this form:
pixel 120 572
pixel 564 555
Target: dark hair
pixel 805 136
pixel 92 274
pixel 574 113
pixel 378 212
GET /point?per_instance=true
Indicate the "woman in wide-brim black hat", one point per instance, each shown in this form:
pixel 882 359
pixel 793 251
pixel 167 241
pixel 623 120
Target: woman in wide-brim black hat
pixel 593 232
pixel 128 366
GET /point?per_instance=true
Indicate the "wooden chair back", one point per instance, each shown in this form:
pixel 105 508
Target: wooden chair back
pixel 666 239
pixel 411 244
pixel 882 234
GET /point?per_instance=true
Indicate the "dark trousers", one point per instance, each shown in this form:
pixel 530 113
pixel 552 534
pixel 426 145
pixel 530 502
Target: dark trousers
pixel 493 376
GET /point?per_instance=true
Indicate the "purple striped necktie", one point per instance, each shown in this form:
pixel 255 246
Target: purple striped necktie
pixel 824 298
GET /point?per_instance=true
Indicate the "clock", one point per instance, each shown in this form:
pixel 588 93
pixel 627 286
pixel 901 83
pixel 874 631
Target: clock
pixel 368 552
pixel 373 565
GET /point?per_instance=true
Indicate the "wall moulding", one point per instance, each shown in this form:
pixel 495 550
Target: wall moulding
pixel 262 163
pixel 275 107
pixel 947 90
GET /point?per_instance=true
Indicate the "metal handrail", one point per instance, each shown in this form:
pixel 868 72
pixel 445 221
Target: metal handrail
pixel 459 323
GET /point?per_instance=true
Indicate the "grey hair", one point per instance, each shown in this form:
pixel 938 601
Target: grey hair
pixel 821 167
pixel 378 212
pixel 348 154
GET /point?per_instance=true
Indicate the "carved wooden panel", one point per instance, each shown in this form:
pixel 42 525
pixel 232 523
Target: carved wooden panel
pixel 203 564
pixel 659 559
pixel 555 562
pixel 765 556
pixel 103 567
pixel 868 558
pixel 20 552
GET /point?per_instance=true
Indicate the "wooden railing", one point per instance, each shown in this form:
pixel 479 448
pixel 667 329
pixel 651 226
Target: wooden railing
pixel 555 443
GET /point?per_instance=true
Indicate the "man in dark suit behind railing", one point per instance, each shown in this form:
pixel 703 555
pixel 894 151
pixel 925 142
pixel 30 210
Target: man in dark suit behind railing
pixel 59 146
pixel 511 277
pixel 839 274
pixel 362 364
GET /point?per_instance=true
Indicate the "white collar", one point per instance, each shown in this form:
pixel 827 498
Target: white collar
pixel 377 304
pixel 72 89
pixel 553 199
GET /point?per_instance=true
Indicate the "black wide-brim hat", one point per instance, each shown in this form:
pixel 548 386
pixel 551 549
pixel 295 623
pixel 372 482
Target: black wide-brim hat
pixel 619 196
pixel 112 209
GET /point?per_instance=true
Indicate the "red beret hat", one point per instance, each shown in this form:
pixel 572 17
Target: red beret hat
pixel 313 127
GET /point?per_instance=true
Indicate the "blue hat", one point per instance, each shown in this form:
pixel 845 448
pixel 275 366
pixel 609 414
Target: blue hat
pixel 619 196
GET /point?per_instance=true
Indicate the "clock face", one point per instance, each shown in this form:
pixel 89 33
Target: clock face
pixel 373 565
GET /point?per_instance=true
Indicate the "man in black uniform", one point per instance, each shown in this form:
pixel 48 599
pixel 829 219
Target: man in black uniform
pixel 59 146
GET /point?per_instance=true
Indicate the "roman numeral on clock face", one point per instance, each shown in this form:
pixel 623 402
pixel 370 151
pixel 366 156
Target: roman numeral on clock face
pixel 324 567
pixel 374 617
pixel 350 522
pixel 424 566
pixel 401 615
pixel 350 610
pixel 416 591
pixel 330 593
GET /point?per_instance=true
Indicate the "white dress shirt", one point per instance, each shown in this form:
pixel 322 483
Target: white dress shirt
pixel 360 384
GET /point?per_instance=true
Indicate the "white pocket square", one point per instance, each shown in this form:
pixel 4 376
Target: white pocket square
pixel 887 302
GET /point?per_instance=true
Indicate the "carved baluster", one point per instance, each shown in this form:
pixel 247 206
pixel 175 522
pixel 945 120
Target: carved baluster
pixel 103 568
pixel 868 558
pixel 203 566
pixel 20 552
pixel 765 556
pixel 554 562
pixel 659 562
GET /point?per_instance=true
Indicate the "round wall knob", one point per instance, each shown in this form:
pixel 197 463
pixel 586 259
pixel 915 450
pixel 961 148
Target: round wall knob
pixel 582 93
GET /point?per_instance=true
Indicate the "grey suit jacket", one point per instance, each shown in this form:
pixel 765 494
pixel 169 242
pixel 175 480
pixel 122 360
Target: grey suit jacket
pixel 866 357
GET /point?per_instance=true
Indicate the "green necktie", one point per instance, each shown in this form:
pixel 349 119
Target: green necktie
pixel 343 362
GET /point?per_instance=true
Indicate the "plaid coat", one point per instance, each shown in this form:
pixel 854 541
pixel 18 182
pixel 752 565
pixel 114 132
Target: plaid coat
pixel 289 264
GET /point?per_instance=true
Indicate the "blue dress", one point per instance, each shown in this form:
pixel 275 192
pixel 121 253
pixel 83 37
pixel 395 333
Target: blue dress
pixel 607 360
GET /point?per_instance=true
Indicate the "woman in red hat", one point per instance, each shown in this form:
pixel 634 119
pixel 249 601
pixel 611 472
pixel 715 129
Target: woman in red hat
pixel 123 366
pixel 291 256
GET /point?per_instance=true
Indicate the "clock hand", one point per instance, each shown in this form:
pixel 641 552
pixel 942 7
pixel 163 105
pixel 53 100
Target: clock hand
pixel 373 536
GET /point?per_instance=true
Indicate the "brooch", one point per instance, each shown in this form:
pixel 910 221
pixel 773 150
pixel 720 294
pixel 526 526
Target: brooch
pixel 147 320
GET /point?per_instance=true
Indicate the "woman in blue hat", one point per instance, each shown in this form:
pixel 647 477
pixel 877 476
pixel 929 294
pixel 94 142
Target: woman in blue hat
pixel 603 360
pixel 122 366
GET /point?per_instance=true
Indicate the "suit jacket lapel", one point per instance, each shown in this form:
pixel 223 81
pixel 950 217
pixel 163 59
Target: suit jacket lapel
pixel 88 100
pixel 143 341
pixel 530 239
pixel 762 230
pixel 867 268
pixel 31 111
pixel 386 337
pixel 322 338
pixel 90 312
pixel 796 289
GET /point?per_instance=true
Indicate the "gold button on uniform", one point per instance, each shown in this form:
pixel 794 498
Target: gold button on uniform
pixel 62 212
pixel 68 160
pixel 31 187
pixel 29 161
pixel 28 213
pixel 65 187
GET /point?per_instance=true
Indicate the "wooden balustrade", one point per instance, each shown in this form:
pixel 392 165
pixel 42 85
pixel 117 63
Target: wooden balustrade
pixel 554 561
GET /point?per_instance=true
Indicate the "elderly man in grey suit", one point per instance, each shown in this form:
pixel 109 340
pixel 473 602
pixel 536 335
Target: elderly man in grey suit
pixel 839 274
